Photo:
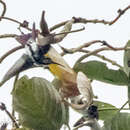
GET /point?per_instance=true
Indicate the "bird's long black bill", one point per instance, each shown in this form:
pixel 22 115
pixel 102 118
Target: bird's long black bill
pixel 20 65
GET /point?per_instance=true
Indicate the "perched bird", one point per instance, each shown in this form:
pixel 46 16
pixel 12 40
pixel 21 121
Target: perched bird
pixel 34 55
pixel 39 52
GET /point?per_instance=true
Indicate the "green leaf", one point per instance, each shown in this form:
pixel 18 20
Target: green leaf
pixel 119 122
pixel 22 129
pixel 106 111
pixel 127 65
pixel 127 59
pixel 39 104
pixel 97 70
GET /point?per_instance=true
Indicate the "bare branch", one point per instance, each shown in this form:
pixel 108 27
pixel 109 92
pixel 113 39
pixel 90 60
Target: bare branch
pixel 58 25
pixel 16 21
pixel 67 28
pixel 73 50
pixel 112 109
pixel 108 45
pixel 3 108
pixel 10 52
pixel 103 58
pixel 98 50
pixel 123 105
pixel 4 8
pixel 85 21
pixel 121 12
pixel 80 49
pixel 77 30
pixel 13 111
pixel 8 35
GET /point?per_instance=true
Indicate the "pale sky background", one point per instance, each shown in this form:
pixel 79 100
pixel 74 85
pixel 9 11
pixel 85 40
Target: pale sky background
pixel 56 12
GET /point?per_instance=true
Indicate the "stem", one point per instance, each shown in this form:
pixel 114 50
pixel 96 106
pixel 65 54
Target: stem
pixel 8 36
pixel 108 109
pixel 73 50
pixel 12 118
pixel 128 91
pixel 3 108
pixel 85 21
pixel 77 30
pixel 10 52
pixel 103 58
pixel 13 111
pixel 58 25
pixel 96 51
pixel 16 21
pixel 123 106
pixel 4 8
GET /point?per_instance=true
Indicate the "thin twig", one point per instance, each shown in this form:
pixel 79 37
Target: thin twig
pixel 12 118
pixel 11 19
pixel 4 8
pixel 97 51
pixel 67 28
pixel 3 108
pixel 19 28
pixel 123 106
pixel 58 25
pixel 10 52
pixel 111 108
pixel 73 50
pixel 80 49
pixel 8 35
pixel 13 111
pixel 103 58
pixel 85 21
pixel 77 30
pixel 16 21
pixel 120 13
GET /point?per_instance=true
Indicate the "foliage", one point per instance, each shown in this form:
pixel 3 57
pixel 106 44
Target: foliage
pixel 38 104
pixel 97 70
pixel 42 104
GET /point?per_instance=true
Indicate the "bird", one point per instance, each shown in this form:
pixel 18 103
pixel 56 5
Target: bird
pixel 39 52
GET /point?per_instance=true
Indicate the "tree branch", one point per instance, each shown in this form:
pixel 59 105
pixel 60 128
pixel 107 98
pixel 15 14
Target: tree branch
pixel 73 50
pixel 80 49
pixel 77 30
pixel 67 28
pixel 3 108
pixel 58 25
pixel 8 35
pixel 103 58
pixel 85 21
pixel 10 52
pixel 123 105
pixel 120 13
pixel 16 21
pixel 97 51
pixel 4 8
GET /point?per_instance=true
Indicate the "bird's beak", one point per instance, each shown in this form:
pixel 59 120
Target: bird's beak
pixel 20 65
